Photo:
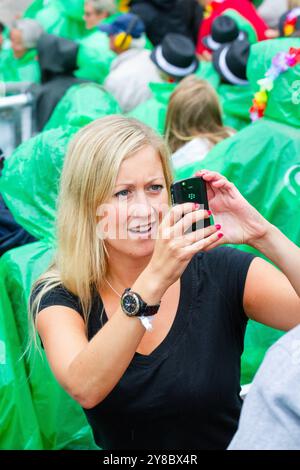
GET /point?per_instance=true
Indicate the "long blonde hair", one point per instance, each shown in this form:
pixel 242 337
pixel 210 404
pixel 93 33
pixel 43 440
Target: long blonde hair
pixel 194 111
pixel 88 178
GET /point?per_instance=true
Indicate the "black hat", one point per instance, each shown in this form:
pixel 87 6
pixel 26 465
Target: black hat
pixel 230 61
pixel 175 56
pixel 290 17
pixel 223 31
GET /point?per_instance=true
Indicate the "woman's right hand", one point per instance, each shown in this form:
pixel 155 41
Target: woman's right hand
pixel 174 248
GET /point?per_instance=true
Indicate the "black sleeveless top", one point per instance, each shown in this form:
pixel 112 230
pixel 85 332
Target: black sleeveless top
pixel 185 394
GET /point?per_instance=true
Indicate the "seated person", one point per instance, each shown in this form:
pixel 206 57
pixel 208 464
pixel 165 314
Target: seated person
pixel 194 122
pixel 169 16
pixel 97 10
pixel 24 36
pixel 243 7
pixel 57 61
pixel 20 62
pixel 230 61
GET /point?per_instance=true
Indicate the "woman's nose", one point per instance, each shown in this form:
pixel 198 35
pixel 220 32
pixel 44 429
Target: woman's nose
pixel 141 206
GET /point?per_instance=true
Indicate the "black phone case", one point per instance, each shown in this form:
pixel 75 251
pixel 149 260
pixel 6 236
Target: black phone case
pixel 191 190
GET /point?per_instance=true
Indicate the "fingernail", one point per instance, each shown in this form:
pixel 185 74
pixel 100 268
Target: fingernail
pixel 220 235
pixel 209 212
pixel 218 226
pixel 196 206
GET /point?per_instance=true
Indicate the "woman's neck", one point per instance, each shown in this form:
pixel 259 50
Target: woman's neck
pixel 123 270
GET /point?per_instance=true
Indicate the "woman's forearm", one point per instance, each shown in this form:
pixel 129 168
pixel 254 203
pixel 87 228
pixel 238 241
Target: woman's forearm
pixel 282 252
pixel 100 365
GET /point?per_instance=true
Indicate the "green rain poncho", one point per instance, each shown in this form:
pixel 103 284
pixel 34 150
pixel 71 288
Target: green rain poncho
pixel 63 18
pixel 25 69
pixel 94 57
pixel 57 420
pixel 39 160
pixel 263 160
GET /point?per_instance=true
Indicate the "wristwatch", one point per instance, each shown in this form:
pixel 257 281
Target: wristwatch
pixel 133 305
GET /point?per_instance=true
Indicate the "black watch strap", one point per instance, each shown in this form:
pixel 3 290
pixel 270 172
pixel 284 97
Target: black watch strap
pixel 144 309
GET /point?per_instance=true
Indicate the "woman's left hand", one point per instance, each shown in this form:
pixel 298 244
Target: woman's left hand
pixel 240 222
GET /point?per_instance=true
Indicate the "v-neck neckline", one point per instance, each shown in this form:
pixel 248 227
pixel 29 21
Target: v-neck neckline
pixel 178 326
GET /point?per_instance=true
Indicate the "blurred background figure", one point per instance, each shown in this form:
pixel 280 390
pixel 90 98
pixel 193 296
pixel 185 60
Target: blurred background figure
pixel 175 57
pixel 97 10
pixel 224 31
pixel 194 122
pixel 12 234
pixel 132 70
pixel 231 61
pixel 24 36
pixel 169 16
pixel 19 62
pixel 242 10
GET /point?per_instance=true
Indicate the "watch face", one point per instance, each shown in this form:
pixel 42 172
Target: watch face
pixel 130 304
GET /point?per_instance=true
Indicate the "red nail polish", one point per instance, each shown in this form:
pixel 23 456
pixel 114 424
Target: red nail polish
pixel 220 235
pixel 196 206
pixel 209 212
pixel 218 226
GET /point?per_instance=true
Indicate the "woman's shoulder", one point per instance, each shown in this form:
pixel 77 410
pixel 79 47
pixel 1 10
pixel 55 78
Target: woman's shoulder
pixel 223 259
pixel 48 295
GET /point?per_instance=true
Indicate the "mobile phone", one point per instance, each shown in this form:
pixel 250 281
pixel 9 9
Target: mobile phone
pixel 191 190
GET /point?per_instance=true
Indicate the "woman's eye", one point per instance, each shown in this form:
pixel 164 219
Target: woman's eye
pixel 156 187
pixel 123 193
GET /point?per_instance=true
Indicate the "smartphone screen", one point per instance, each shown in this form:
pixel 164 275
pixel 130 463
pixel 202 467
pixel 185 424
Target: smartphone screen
pixel 191 190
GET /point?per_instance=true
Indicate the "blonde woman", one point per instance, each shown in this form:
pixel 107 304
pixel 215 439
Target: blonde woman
pixel 193 123
pixel 175 386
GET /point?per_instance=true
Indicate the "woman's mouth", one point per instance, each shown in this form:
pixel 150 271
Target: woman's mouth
pixel 141 231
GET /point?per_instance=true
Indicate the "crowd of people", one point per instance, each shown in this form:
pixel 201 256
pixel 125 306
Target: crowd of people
pixel 146 329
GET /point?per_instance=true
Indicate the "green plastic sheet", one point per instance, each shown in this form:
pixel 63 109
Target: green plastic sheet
pixel 36 6
pixel 153 111
pixel 235 102
pixel 283 102
pixel 30 181
pixel 263 160
pixel 30 178
pixel 18 422
pixel 81 105
pixel 94 57
pixel 29 185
